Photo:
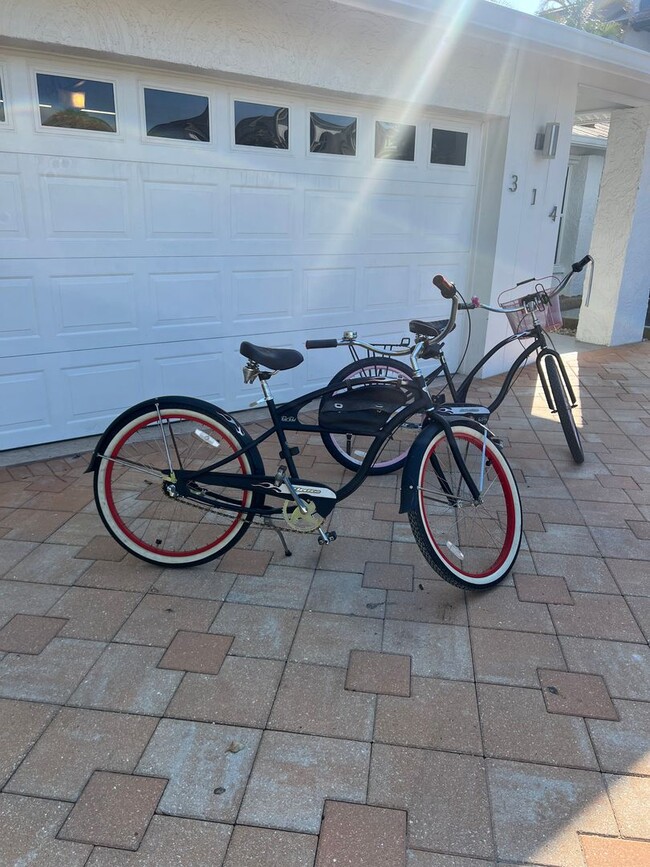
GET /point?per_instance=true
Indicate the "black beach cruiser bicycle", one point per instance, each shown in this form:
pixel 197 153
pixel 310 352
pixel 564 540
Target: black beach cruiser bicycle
pixel 178 481
pixel 530 316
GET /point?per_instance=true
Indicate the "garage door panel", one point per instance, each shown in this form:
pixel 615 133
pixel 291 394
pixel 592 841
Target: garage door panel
pixel 27 318
pixel 448 220
pixel 12 211
pixel 261 213
pixel 328 294
pixel 180 210
pixel 200 374
pixel 262 301
pixel 386 289
pixel 93 388
pixel 181 301
pixel 86 207
pixel 95 307
pixel 24 394
pixel 329 214
pixel 389 216
pixel 19 314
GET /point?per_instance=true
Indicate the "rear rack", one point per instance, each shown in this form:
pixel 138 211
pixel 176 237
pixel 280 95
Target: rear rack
pixel 379 349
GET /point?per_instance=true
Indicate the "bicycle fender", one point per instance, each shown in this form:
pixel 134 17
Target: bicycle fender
pixel 416 452
pixel 179 401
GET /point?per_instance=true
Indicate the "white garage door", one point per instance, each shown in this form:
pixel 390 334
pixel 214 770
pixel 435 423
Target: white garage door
pixel 149 223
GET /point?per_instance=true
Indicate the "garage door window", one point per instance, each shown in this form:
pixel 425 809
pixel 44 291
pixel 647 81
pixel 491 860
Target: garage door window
pixel 394 141
pixel 262 126
pixel 332 134
pixel 76 103
pixel 176 115
pixel 448 148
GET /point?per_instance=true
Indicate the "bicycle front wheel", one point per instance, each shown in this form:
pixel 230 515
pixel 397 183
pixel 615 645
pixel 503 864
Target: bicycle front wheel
pixel 470 544
pixel 349 449
pixel 134 476
pixel 564 411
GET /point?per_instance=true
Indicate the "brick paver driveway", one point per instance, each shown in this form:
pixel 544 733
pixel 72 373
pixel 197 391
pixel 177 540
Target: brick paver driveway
pixel 342 706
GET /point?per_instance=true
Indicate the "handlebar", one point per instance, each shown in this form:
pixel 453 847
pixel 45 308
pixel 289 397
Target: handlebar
pixel 578 266
pixel 535 296
pixel 448 290
pixel 350 339
pixel 329 343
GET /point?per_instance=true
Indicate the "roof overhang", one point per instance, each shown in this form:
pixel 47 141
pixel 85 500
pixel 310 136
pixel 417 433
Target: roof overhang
pixel 509 27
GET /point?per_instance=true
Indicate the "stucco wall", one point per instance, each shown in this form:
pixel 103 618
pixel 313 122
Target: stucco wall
pixel 619 296
pixel 531 188
pixel 306 42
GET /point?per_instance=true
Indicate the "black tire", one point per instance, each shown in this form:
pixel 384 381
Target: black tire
pixel 470 545
pixel 132 475
pixel 564 411
pixel 349 449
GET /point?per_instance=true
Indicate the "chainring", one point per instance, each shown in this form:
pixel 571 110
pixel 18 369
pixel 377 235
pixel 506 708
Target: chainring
pixel 297 520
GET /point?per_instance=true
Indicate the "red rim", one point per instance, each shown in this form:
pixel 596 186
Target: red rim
pixel 117 518
pixel 509 503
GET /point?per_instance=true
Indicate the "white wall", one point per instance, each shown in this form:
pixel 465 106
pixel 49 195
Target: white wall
pixel 525 240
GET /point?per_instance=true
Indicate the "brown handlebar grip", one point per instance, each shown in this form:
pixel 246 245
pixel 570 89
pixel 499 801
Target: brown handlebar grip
pixel 447 289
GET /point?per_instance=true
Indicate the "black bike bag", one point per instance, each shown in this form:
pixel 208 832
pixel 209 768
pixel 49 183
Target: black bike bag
pixel 361 410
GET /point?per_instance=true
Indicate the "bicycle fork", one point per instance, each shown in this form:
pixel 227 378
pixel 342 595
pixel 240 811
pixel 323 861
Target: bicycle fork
pixel 565 377
pixel 460 463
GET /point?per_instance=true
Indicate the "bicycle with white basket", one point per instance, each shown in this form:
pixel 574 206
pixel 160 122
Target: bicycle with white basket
pixel 531 317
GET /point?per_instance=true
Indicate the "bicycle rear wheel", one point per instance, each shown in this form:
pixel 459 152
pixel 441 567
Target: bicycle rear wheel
pixel 564 411
pixel 470 544
pixel 134 479
pixel 349 449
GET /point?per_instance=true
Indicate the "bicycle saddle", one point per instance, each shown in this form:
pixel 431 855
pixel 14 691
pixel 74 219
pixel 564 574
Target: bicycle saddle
pixel 274 359
pixel 428 329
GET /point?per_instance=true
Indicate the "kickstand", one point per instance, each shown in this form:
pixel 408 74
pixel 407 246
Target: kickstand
pixel 287 552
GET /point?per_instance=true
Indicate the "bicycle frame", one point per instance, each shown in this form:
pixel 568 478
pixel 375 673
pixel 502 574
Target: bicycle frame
pixel 538 345
pixel 285 419
pixel 459 392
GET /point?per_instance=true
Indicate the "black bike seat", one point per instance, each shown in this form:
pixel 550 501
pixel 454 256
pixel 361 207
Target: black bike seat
pixel 274 359
pixel 428 329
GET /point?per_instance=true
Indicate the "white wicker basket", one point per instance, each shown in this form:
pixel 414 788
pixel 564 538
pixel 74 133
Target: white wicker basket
pixel 548 314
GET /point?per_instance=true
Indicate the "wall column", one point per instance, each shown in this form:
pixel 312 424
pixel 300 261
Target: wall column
pixel 525 189
pixel 619 243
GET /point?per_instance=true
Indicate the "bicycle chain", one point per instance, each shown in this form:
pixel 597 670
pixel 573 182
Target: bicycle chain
pixel 286 527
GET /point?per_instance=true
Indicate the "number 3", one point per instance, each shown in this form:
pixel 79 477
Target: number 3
pixel 515 180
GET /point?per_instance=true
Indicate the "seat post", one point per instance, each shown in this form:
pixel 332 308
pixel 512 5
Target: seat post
pixel 264 377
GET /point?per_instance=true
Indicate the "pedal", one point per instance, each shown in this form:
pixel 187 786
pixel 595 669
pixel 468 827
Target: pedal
pixel 325 538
